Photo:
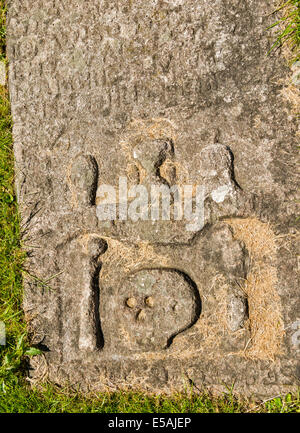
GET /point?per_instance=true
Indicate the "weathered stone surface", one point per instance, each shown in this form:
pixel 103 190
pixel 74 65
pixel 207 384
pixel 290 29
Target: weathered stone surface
pixel 163 93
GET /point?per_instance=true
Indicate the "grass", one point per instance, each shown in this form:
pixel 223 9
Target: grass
pixel 11 254
pixel 19 398
pixel 288 28
pixel 16 395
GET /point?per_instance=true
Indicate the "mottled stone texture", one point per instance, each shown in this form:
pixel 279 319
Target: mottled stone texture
pixel 163 92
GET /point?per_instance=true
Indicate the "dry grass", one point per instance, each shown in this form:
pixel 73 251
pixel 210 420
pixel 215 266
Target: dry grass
pixel 169 168
pixel 265 316
pixel 129 258
pixel 212 328
pixel 292 95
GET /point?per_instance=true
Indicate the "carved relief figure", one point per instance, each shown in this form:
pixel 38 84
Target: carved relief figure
pixel 154 305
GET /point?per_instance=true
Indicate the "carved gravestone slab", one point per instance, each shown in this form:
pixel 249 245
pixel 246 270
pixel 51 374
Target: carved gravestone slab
pixel 109 98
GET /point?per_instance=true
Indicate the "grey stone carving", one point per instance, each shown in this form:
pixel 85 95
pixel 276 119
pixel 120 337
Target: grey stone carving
pixel 83 179
pixel 177 296
pixel 151 154
pixel 162 93
pixel 163 303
